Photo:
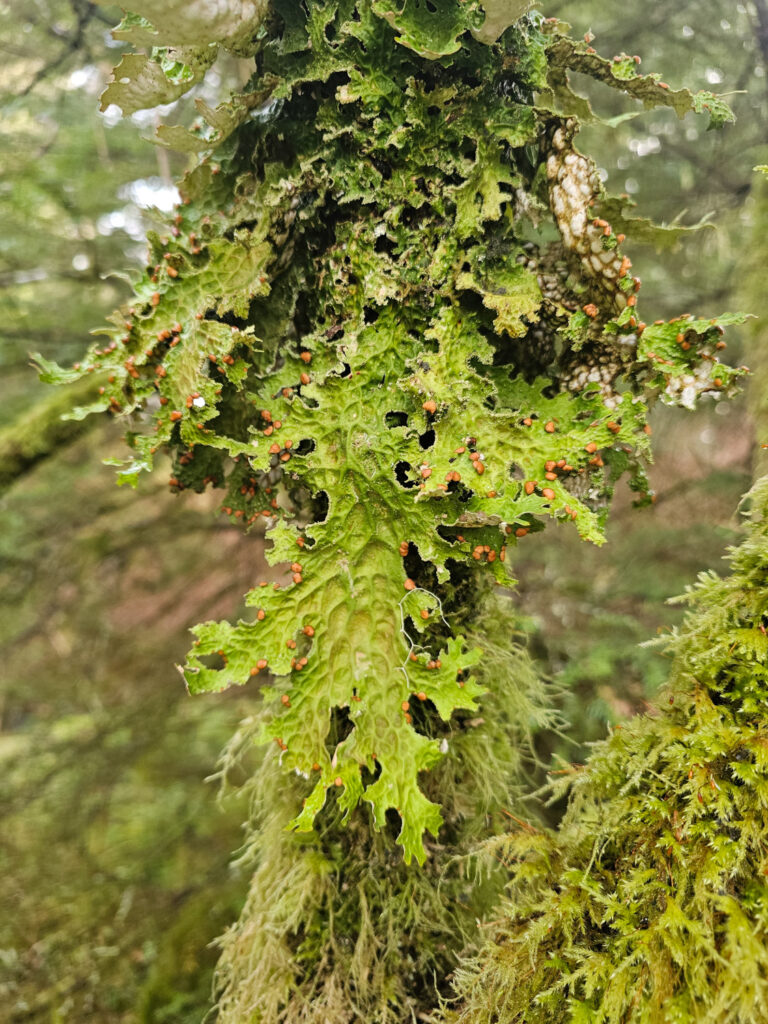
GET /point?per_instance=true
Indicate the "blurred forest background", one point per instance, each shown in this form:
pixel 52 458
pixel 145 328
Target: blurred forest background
pixel 115 856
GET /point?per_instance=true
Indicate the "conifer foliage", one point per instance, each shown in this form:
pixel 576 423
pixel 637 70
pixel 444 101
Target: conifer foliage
pixel 391 317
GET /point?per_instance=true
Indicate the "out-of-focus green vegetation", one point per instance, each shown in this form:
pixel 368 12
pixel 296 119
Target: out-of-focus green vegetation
pixel 595 608
pixel 114 872
pixel 68 174
pixel 114 854
pixel 677 171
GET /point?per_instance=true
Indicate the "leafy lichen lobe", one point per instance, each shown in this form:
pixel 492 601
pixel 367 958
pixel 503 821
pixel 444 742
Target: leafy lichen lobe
pixel 388 318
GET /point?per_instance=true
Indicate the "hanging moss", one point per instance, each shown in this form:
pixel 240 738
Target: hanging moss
pixel 336 926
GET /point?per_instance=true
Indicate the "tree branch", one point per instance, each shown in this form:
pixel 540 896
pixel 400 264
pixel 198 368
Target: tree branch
pixel 41 431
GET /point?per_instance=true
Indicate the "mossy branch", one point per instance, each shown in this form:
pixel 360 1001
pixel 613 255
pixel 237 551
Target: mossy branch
pixel 41 430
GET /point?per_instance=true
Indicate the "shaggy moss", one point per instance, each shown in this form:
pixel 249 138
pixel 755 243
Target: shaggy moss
pixel 336 926
pixel 651 901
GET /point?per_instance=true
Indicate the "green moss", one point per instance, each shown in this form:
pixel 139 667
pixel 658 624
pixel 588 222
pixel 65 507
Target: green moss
pixel 40 430
pixel 649 900
pixel 336 927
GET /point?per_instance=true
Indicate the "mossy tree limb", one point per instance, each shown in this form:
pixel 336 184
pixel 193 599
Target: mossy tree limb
pixel 347 308
pixel 42 429
pixel 650 900
pixel 387 318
